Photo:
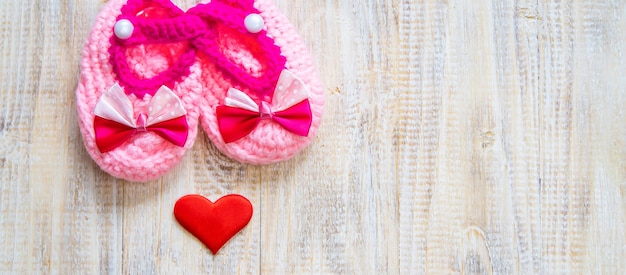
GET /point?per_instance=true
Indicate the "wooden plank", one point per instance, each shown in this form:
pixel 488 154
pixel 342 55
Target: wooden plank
pixel 419 116
pixel 578 49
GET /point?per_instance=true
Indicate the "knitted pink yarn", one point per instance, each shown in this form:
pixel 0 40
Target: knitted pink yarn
pixel 269 142
pixel 145 156
pixel 197 27
pixel 219 54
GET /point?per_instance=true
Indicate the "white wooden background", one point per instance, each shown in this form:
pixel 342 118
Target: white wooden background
pixel 459 137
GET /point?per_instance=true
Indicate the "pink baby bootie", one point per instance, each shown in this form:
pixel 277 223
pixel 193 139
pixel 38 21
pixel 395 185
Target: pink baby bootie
pixel 263 100
pixel 138 91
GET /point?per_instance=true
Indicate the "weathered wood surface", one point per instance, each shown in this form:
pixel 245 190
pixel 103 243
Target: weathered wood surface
pixel 459 137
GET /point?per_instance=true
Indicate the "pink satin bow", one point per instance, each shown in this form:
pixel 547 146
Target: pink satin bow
pixel 290 108
pixel 115 122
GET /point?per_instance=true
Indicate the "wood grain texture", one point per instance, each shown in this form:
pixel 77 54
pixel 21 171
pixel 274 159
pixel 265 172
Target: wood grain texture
pixel 483 137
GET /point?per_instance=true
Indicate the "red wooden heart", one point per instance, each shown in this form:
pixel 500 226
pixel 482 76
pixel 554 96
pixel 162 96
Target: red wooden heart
pixel 213 223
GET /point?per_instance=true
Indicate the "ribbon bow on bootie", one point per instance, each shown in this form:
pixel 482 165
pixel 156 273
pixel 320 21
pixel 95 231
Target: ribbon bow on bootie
pixel 290 108
pixel 115 122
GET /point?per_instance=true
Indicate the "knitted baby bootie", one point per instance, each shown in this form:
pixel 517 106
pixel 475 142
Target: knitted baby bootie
pixel 263 101
pixel 138 91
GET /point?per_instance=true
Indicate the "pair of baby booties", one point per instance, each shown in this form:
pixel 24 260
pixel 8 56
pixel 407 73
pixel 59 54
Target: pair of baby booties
pixel 151 73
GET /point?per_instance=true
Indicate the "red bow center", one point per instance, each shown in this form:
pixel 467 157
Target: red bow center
pixel 141 123
pixel 266 110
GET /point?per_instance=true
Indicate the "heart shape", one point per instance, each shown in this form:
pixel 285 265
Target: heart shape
pixel 213 223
